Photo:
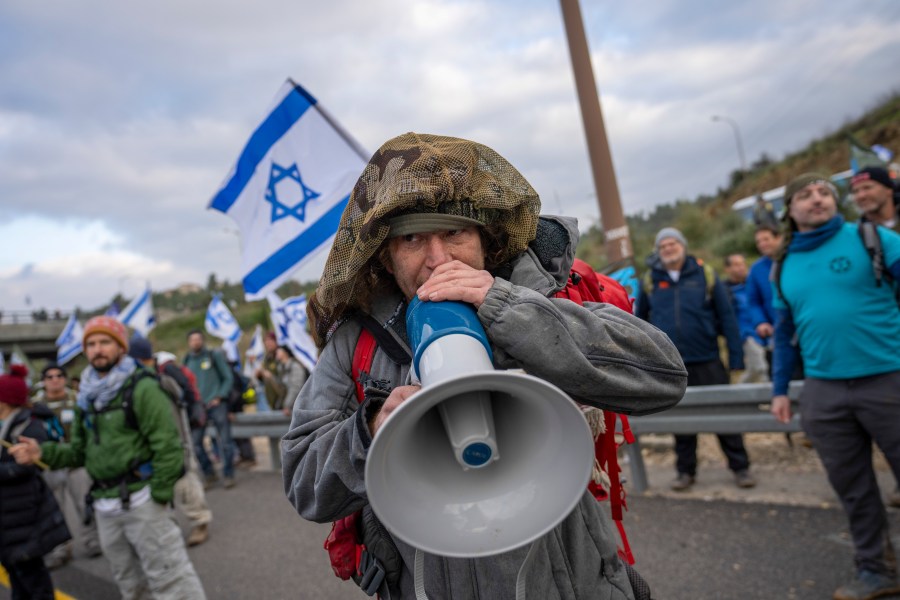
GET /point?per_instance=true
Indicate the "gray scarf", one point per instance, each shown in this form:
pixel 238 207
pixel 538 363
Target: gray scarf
pixel 100 391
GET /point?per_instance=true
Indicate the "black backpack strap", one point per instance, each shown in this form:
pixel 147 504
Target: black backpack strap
pixel 872 241
pixel 128 395
pixel 394 350
pixel 775 278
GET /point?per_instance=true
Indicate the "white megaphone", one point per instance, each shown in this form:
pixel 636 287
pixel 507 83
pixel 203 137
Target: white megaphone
pixel 479 461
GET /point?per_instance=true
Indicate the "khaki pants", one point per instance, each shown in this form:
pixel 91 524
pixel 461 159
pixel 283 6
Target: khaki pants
pixel 147 555
pixel 70 487
pixel 190 498
pixel 756 369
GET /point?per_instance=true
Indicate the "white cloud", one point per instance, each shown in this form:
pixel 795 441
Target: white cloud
pixel 129 116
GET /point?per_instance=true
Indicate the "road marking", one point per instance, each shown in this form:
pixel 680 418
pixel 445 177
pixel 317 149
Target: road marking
pixel 58 595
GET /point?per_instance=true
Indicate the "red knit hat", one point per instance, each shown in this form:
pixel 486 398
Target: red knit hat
pixel 107 325
pixel 13 389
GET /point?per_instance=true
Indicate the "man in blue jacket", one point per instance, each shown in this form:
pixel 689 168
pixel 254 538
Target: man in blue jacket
pixel 684 298
pixel 848 329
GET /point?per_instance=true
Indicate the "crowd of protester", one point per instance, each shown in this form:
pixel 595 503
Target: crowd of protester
pixel 106 455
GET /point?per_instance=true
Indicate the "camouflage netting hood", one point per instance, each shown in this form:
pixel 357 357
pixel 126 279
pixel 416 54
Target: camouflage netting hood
pixel 419 173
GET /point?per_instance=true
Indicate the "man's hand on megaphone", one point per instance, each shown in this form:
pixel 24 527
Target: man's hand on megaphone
pixel 397 397
pixel 455 280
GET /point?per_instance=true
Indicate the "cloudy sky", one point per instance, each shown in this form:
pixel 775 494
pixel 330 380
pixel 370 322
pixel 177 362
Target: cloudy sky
pixel 119 121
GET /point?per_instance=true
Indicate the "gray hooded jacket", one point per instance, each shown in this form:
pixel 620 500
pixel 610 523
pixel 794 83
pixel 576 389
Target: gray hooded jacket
pixel 597 353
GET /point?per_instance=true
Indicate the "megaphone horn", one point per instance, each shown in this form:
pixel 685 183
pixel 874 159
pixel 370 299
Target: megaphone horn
pixel 480 461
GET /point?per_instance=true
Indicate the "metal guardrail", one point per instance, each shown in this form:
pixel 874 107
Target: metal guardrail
pixel 740 408
pixel 270 424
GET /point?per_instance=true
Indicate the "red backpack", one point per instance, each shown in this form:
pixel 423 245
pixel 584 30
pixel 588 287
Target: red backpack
pixel 348 555
pixel 585 285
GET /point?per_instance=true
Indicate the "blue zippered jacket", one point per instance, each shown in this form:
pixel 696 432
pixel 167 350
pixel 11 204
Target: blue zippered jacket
pixel 759 293
pixel 683 312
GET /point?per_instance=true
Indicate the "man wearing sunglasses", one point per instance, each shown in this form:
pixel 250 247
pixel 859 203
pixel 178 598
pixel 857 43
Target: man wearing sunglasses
pixel 70 486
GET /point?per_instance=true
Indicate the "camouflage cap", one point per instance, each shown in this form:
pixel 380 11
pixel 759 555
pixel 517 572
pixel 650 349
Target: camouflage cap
pixel 421 174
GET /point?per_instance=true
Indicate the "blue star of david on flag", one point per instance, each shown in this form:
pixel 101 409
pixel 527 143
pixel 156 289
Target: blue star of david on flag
pixel 281 210
pixel 269 200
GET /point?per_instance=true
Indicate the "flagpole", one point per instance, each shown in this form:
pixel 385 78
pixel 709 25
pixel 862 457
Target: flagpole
pixel 360 151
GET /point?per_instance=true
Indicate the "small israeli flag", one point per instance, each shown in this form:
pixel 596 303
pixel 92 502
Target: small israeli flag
pixel 289 318
pixel 220 322
pixel 289 188
pixel 68 344
pixel 257 349
pixel 113 310
pixel 139 313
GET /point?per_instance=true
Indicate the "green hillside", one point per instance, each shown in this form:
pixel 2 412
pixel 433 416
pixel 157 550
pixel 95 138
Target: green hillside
pixel 713 230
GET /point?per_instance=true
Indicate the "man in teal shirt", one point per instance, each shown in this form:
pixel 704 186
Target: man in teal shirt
pixel 214 381
pixel 848 329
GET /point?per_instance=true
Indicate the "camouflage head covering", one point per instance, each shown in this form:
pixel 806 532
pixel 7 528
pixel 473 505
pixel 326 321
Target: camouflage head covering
pixel 420 173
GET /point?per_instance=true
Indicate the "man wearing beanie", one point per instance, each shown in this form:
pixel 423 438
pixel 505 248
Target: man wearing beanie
pixel 875 195
pixel 190 498
pixel 31 524
pixel 437 218
pixel 56 403
pixel 848 329
pixel 124 434
pixel 684 297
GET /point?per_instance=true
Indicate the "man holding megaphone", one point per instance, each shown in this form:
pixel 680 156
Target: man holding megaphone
pixel 464 503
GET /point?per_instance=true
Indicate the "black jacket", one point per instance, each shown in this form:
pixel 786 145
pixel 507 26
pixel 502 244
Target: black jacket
pixel 31 523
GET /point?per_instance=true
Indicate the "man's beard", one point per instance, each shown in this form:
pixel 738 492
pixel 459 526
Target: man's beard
pixel 106 368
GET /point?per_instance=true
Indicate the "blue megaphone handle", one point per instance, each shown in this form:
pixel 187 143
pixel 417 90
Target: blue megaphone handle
pixel 429 321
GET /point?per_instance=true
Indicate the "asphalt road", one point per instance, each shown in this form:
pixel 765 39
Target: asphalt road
pixel 686 549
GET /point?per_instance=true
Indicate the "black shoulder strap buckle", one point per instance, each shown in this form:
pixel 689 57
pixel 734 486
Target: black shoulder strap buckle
pixel 371 573
pixel 386 341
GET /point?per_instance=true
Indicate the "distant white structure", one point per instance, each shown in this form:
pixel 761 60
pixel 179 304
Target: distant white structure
pixel 744 206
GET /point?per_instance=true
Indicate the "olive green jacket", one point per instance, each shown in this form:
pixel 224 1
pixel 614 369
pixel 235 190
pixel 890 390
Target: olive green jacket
pixel 107 447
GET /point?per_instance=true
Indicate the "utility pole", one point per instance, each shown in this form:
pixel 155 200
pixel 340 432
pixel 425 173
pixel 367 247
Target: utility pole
pixel 619 252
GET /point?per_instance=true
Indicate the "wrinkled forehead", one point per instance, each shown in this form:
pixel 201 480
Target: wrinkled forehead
pixel 822 185
pixel 670 242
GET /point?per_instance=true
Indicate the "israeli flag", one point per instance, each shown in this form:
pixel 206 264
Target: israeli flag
pixel 68 344
pixel 257 349
pixel 230 349
pixel 139 313
pixel 220 322
pixel 113 310
pixel 289 318
pixel 289 188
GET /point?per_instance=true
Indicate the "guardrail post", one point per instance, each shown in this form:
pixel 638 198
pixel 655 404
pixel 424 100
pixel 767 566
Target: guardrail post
pixel 636 462
pixel 275 452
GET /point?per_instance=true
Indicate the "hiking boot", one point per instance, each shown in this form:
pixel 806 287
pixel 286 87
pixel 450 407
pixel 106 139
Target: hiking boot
pixel 58 558
pixel 229 483
pixel 744 479
pixel 210 480
pixel 893 498
pixel 198 535
pixel 867 585
pixel 682 482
